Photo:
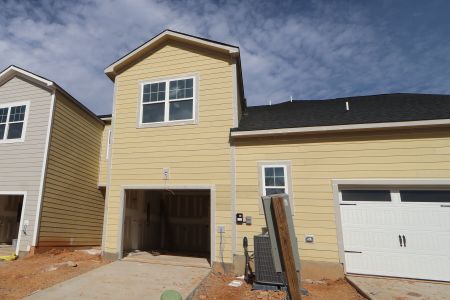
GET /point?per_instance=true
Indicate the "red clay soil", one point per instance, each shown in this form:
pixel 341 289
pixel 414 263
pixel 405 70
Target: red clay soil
pixel 22 277
pixel 215 286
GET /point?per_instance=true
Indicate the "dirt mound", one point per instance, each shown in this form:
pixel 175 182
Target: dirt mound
pixel 215 286
pixel 22 277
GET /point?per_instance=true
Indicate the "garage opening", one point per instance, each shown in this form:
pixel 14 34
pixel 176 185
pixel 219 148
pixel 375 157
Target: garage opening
pixel 167 226
pixel 10 213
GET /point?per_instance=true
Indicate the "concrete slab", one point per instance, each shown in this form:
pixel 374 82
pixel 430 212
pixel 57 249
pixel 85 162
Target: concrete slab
pixel 127 280
pixel 165 259
pixel 383 288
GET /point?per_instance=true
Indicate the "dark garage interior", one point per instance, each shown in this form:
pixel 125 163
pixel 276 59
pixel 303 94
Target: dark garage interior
pixel 172 222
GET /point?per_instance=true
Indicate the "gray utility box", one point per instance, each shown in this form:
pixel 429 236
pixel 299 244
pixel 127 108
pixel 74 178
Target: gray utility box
pixel 265 272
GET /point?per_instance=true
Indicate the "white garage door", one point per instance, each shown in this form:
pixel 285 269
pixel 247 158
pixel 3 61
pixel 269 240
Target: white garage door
pixel 401 232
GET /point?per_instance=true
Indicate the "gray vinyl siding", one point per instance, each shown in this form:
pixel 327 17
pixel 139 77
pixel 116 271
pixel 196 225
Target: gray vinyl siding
pixel 21 162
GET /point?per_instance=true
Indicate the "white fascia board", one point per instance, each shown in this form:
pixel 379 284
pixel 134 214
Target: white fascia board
pixel 229 49
pixel 13 70
pixel 334 128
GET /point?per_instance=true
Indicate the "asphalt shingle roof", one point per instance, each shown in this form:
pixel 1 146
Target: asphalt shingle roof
pixel 363 110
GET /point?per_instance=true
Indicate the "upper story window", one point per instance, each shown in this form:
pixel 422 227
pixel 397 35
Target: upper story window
pixel 168 101
pixel 12 122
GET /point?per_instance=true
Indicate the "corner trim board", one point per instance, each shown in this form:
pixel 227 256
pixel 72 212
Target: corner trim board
pixel 44 170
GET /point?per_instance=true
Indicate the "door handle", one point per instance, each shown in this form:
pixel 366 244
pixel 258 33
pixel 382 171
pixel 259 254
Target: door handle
pixel 400 239
pixel 404 241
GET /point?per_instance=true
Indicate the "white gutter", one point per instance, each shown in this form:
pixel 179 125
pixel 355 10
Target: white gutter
pixel 334 128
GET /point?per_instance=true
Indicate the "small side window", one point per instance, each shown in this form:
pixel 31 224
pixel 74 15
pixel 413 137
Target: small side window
pixel 366 195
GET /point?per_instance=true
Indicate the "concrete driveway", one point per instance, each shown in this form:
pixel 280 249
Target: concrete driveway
pixel 127 280
pixel 379 288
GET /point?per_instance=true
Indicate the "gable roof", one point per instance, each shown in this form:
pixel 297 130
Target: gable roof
pixel 13 71
pixel 111 70
pixel 374 109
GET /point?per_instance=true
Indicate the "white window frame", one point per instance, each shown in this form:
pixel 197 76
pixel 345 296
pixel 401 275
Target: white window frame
pixel 167 101
pixel 263 179
pixel 287 168
pixel 5 140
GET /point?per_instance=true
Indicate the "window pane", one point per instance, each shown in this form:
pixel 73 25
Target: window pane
pixel 3 114
pixel 279 181
pixel 269 172
pixel 181 110
pixel 2 131
pixel 179 89
pixel 270 191
pixel 366 195
pixel 17 113
pixel 425 196
pixel 15 130
pixel 153 113
pixel 269 181
pixel 154 92
pixel 279 171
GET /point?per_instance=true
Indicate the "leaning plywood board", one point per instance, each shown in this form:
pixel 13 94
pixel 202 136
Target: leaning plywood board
pixel 271 228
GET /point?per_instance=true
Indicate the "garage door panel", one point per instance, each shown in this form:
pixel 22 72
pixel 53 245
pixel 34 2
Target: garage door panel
pixel 434 218
pixel 398 265
pixel 369 215
pixel 427 242
pixel 358 239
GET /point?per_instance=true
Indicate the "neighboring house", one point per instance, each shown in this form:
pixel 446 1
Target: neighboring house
pixel 49 149
pixel 368 177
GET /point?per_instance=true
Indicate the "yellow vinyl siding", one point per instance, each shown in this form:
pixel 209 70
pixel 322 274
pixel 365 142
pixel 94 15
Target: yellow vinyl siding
pixel 103 174
pixel 196 154
pixel 318 159
pixel 72 209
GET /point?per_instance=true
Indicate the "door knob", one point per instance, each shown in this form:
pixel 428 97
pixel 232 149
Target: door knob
pixel 400 239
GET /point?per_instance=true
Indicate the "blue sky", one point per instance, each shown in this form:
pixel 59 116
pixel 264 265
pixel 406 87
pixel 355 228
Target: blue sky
pixel 304 49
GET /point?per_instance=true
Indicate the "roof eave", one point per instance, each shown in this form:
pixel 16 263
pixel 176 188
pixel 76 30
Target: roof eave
pixel 12 71
pixel 339 128
pixel 111 70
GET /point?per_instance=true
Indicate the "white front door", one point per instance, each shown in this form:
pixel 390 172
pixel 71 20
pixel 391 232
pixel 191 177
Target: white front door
pixel 400 232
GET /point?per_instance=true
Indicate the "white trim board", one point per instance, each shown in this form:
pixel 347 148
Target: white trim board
pixel 337 128
pixel 12 71
pixel 44 170
pixel 22 214
pixel 122 207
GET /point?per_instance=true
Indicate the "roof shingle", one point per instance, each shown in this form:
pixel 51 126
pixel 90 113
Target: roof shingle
pixel 362 110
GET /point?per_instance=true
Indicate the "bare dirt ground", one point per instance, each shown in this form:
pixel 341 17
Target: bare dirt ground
pixel 22 277
pixel 215 286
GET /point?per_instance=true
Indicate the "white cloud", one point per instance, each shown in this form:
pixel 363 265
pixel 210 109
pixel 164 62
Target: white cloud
pixel 308 50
